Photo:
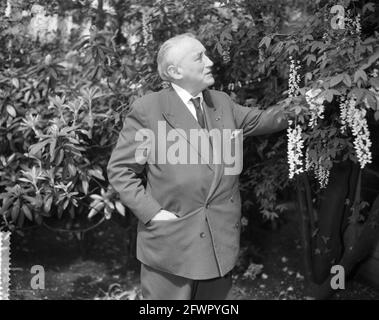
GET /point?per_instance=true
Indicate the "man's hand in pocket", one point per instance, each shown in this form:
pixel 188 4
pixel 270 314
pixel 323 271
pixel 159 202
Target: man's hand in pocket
pixel 164 215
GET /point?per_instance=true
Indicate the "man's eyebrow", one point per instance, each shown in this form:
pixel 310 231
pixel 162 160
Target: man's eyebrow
pixel 200 53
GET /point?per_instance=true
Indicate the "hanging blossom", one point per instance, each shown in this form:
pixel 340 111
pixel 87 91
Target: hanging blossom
pixel 357 23
pixel 343 114
pixel 295 150
pixel 355 119
pixel 8 9
pixel 321 172
pixel 316 106
pixel 261 58
pixel 353 24
pixel 226 53
pixel 294 78
pixel 362 141
pixel 146 28
pixel 294 131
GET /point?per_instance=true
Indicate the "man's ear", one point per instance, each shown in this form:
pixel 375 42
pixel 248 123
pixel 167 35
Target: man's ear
pixel 173 72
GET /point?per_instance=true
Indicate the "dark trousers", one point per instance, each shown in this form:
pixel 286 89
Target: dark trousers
pixel 159 285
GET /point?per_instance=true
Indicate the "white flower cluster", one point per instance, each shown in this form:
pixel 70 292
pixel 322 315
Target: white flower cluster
pixel 295 150
pixel 353 25
pixel 244 221
pixel 8 9
pixel 135 86
pixel 261 58
pixel 321 172
pixel 316 106
pixel 253 271
pixel 146 28
pixel 294 132
pixel 232 86
pixel 354 118
pixel 343 114
pixel 226 54
pixel 358 27
pixel 294 78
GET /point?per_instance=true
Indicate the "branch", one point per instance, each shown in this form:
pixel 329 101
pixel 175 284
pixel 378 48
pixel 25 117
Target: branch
pixel 71 230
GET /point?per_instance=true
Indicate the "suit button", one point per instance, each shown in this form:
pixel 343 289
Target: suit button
pixel 231 200
pixel 202 235
pixel 237 225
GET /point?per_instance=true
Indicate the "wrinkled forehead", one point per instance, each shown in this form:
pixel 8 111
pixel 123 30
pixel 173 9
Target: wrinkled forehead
pixel 186 48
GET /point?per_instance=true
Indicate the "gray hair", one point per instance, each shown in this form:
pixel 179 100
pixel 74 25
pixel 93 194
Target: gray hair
pixel 162 59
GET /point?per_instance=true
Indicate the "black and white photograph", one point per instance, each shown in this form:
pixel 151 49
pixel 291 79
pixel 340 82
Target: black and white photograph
pixel 189 150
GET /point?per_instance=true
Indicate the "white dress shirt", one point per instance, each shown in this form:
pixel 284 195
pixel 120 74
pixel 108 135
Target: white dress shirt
pixel 186 98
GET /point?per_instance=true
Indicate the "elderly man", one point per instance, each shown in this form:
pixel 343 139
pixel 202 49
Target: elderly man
pixel 189 211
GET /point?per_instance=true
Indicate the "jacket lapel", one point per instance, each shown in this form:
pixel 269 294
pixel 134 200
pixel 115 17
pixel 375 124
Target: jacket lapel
pixel 178 116
pixel 214 118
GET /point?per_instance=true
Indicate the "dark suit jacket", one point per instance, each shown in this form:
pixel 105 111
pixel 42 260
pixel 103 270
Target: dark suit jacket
pixel 203 242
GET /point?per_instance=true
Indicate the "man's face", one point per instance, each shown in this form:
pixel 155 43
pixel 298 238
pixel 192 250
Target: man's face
pixel 193 65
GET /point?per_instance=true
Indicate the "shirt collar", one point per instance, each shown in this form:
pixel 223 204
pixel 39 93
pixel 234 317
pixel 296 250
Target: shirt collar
pixel 184 94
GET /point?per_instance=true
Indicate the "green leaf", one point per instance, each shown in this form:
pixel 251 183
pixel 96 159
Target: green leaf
pixel 15 211
pixel 72 169
pixel 307 37
pixel 297 110
pixel 52 147
pixel 35 148
pixel 11 111
pixel 27 212
pixel 60 157
pixel 265 41
pixel 308 76
pixel 120 208
pixel 374 57
pixel 374 82
pixel 371 100
pixel 96 173
pixel 370 6
pixel 85 186
pixel 96 209
pixel 310 58
pixel 16 83
pixel 225 35
pixel 96 197
pixel 358 92
pixel 47 204
pixel 347 80
pixel 360 74
pixel 336 80
pixel 329 94
pixel 292 48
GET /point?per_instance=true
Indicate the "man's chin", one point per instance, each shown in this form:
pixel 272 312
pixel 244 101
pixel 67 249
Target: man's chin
pixel 209 81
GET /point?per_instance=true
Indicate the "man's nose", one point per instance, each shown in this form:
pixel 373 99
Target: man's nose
pixel 209 62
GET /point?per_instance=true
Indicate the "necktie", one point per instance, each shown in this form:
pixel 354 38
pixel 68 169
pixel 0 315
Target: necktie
pixel 199 111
